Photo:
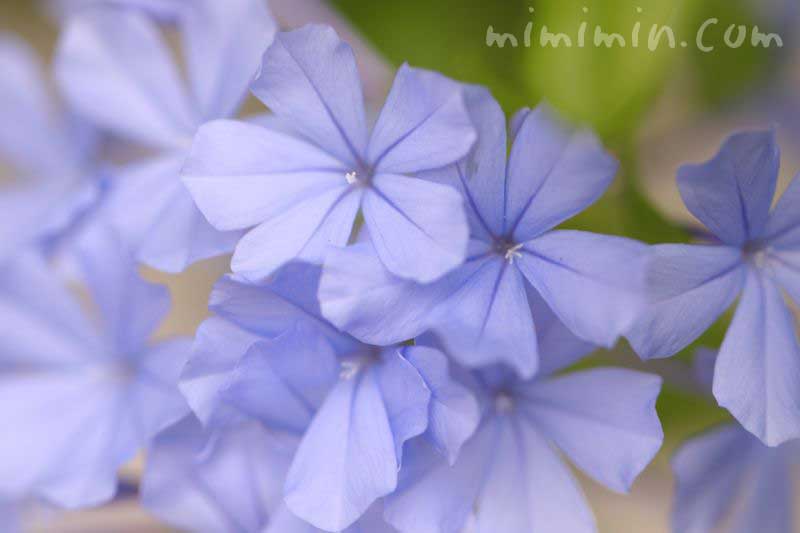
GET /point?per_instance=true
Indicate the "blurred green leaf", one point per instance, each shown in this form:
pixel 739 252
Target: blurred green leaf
pixel 725 73
pixel 609 88
pixel 448 36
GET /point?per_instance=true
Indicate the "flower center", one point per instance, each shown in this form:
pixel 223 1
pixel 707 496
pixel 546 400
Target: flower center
pixel 756 254
pixel 503 402
pixel 351 177
pixel 351 365
pixel 509 250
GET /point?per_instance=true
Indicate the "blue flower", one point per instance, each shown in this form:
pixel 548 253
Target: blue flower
pixel 509 476
pixel 53 156
pixel 116 70
pixel 81 400
pixel 485 311
pixel 757 255
pixel 269 355
pixel 302 184
pixel 729 481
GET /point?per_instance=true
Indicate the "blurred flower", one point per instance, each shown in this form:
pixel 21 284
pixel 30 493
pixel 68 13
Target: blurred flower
pixel 269 356
pixel 81 396
pixel 116 70
pixel 56 174
pixel 757 375
pixel 729 481
pixel 226 481
pixel 303 184
pixel 485 311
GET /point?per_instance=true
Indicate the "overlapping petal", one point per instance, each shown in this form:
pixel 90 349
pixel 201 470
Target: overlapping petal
pixel 481 175
pixel 688 288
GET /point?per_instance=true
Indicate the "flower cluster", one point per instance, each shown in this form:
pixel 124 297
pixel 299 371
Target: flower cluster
pixel 390 349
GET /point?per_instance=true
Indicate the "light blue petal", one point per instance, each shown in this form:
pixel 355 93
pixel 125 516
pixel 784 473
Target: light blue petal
pixel 554 173
pixel 41 322
pixel 114 68
pixel 347 458
pixel 558 346
pixel 424 124
pixel 272 308
pixel 593 283
pixel 406 397
pixel 309 77
pixel 688 287
pixel 723 477
pixel 454 413
pixel 360 296
pixel 131 308
pixel 38 145
pixel 757 376
pixel 615 406
pixel 434 496
pixel 732 193
pixel 303 232
pixel 243 174
pixel 166 227
pixel 528 487
pixel 487 319
pixel 283 381
pixel 784 267
pixel 481 176
pixel 224 43
pixel 419 229
pixel 783 227
pixel 219 345
pixel 216 483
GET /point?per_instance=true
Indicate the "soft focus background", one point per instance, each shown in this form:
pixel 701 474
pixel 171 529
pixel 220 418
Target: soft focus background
pixel 655 111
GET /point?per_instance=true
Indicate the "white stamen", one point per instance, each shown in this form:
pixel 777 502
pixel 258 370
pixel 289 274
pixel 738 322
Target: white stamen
pixel 351 177
pixel 513 252
pixel 349 368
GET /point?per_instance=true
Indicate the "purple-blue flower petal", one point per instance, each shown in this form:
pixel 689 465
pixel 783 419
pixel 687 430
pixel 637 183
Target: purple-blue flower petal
pixel 224 43
pixel 216 482
pixel 418 228
pixel 732 193
pixel 615 406
pixel 757 375
pixel 593 283
pixel 481 175
pixel 727 480
pixel 302 232
pixel 347 457
pixel 554 172
pixel 309 77
pixel 115 68
pixel 423 125
pixel 783 228
pixel 243 174
pixel 688 288
pixel 454 413
pixel 283 381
